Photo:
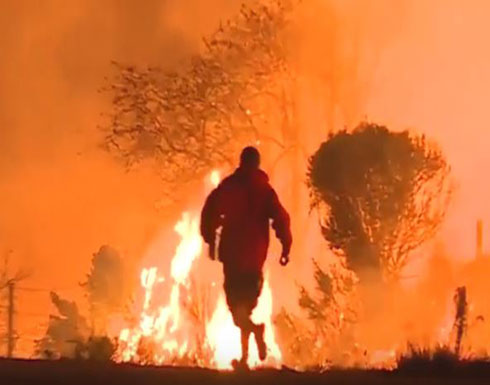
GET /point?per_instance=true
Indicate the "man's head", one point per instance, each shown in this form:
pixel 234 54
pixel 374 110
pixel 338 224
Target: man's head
pixel 250 158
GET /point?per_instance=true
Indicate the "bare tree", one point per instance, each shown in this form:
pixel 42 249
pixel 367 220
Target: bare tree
pixel 7 275
pixel 190 120
pixel 8 280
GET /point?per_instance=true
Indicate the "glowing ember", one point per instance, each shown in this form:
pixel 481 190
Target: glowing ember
pixel 165 333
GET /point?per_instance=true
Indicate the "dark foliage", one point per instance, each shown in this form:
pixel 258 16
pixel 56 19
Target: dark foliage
pixel 419 359
pixel 69 334
pixel 381 194
pixel 95 348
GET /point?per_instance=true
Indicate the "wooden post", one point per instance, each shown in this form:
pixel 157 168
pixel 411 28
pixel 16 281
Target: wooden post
pixel 479 238
pixel 10 323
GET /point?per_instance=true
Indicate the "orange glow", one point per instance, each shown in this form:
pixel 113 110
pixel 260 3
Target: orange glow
pixel 421 65
pixel 215 178
pixel 224 336
pixel 167 329
pixel 163 325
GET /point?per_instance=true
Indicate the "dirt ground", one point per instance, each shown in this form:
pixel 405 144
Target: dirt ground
pixel 71 372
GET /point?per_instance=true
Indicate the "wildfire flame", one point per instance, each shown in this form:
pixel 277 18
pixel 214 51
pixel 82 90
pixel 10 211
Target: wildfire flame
pixel 224 336
pixel 165 333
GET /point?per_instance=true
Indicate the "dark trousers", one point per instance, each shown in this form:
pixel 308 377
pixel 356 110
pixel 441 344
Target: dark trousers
pixel 242 291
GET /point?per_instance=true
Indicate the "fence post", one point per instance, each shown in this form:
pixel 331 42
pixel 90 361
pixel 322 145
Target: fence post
pixel 10 323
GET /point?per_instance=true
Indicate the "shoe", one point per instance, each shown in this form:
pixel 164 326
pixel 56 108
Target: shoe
pixel 259 339
pixel 240 365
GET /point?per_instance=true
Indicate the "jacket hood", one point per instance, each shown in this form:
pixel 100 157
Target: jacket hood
pixel 255 175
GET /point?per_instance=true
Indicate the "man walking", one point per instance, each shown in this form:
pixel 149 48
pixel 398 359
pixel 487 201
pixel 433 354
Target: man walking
pixel 242 206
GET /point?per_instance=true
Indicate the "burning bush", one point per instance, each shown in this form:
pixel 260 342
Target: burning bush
pixel 325 337
pixel 68 334
pixel 381 195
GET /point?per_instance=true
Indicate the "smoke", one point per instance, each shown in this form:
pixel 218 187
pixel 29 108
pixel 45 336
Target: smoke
pixel 435 78
pixel 405 64
pixel 60 194
pixel 61 197
pixel 416 65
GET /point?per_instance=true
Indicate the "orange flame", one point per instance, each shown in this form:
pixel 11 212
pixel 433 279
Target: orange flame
pixel 224 336
pixel 167 329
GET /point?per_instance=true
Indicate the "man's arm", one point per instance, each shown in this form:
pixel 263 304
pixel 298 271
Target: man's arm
pixel 210 220
pixel 281 224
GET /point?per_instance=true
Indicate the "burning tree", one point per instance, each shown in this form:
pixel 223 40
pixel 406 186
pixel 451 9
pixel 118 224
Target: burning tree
pixel 381 194
pixel 325 336
pixel 190 120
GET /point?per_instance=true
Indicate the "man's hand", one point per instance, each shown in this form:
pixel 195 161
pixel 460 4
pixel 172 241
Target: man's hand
pixel 212 250
pixel 284 260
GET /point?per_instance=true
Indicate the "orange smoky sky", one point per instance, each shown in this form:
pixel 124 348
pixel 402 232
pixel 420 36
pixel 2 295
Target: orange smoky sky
pixel 435 78
pixel 61 197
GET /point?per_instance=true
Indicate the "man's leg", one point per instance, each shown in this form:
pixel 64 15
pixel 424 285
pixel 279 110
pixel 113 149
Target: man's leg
pixel 233 290
pixel 255 288
pixel 259 340
pixel 258 332
pixel 243 322
pixel 245 337
pixel 242 293
pixel 247 326
pixel 250 293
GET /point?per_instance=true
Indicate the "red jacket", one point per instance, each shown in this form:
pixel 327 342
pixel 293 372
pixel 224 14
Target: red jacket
pixel 243 204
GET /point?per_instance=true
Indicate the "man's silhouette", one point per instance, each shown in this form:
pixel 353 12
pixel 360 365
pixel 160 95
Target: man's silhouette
pixel 243 206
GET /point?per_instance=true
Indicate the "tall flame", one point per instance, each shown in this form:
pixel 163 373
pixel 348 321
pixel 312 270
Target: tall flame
pixel 165 333
pixel 161 325
pixel 224 336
